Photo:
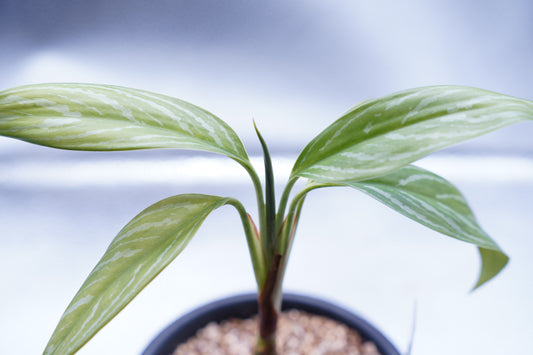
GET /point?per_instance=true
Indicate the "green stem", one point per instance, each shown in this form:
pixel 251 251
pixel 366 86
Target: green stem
pixel 288 229
pixel 265 346
pixel 261 208
pixel 254 243
pixel 285 245
pixel 283 203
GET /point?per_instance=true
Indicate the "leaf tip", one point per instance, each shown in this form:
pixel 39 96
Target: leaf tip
pixel 492 262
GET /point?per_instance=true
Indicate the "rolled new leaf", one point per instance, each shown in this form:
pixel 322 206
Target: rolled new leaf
pixel 144 247
pixel 382 135
pixel 434 202
pixel 105 117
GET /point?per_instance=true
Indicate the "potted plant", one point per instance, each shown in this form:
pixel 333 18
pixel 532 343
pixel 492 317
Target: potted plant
pixel 369 148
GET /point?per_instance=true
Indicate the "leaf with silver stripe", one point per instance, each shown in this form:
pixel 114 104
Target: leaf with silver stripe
pixel 144 247
pixel 379 136
pixel 434 202
pixel 105 117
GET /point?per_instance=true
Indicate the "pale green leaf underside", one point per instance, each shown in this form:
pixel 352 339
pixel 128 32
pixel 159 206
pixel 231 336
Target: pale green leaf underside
pixel 379 136
pixel 144 247
pixel 434 202
pixel 105 117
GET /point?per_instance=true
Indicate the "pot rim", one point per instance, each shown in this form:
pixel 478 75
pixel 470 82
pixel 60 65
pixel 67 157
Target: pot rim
pixel 245 305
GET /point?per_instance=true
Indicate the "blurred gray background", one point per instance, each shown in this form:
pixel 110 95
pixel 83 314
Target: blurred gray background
pixel 293 67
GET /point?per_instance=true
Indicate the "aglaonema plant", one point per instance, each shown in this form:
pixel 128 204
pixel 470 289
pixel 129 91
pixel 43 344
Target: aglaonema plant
pixel 370 148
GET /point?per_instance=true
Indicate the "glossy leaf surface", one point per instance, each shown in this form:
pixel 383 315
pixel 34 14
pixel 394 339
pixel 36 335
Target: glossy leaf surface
pixel 382 135
pixel 104 117
pixel 434 202
pixel 144 247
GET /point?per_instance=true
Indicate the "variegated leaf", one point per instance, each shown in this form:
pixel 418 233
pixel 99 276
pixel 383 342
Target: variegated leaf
pixel 379 136
pixel 144 247
pixel 434 202
pixel 104 117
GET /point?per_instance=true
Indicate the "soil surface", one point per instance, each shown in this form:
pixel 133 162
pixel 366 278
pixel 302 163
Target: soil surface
pixel 298 333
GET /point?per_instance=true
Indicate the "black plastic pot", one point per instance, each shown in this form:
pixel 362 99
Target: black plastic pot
pixel 245 306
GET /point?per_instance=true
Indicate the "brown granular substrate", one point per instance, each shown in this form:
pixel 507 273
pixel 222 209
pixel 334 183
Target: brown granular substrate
pixel 298 333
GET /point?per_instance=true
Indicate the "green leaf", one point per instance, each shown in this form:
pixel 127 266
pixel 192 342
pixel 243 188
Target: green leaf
pixel 493 261
pixel 144 247
pixel 379 136
pixel 104 117
pixel 434 202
